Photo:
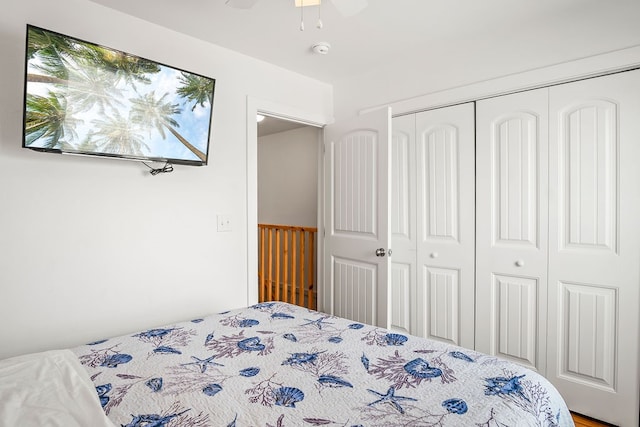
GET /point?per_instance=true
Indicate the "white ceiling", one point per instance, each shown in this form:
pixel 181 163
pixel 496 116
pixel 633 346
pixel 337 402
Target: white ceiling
pixel 415 33
pixel 271 125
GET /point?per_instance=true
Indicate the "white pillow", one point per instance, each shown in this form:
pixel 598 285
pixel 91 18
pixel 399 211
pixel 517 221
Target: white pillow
pixel 48 389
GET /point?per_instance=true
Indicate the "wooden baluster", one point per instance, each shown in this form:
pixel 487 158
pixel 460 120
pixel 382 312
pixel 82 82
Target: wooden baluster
pixel 261 262
pixel 277 265
pixel 270 265
pixel 285 267
pixel 294 255
pixel 301 284
pixel 310 300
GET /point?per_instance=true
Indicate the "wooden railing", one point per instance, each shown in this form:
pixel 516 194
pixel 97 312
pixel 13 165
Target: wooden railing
pixel 286 265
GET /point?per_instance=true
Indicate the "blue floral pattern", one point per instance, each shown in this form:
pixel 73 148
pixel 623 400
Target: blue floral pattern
pixel 275 364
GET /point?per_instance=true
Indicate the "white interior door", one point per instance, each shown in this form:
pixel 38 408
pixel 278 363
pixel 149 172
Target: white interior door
pixel 511 236
pixel 594 271
pixel 357 218
pixel 445 284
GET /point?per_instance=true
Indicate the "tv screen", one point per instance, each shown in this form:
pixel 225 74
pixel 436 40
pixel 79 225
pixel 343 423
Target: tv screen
pixel 83 98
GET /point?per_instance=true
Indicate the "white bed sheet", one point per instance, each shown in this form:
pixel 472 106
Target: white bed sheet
pixel 48 389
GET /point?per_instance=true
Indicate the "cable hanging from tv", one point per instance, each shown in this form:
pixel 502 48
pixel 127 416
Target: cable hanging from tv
pixel 168 167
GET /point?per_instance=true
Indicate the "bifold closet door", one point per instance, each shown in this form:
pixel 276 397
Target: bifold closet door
pixel 594 246
pixel 511 236
pixel 403 222
pixel 445 155
pixel 432 222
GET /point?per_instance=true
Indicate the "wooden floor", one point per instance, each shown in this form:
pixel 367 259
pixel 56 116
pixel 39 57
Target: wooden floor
pixel 581 421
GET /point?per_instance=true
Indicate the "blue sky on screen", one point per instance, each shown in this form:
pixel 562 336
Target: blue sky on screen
pixel 193 125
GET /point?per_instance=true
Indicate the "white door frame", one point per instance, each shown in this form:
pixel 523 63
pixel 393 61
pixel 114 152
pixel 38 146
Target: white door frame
pixel 285 112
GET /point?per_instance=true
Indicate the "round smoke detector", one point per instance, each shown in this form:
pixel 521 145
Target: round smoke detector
pixel 321 48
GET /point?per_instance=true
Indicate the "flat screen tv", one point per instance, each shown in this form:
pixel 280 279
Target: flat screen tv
pixel 83 98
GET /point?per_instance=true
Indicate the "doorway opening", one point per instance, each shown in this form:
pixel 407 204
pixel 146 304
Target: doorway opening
pixel 287 192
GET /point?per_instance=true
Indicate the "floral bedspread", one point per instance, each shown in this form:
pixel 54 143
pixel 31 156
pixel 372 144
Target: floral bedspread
pixel 279 365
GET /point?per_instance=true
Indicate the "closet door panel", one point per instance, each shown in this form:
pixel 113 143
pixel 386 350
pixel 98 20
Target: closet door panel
pixel 439 179
pixel 440 295
pixel 401 296
pixel 588 170
pixel 511 242
pixel 515 327
pixel 445 156
pixel 594 245
pixel 515 180
pixel 403 224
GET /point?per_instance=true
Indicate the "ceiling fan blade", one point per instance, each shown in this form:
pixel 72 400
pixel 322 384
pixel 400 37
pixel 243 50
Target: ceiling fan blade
pixel 241 4
pixel 350 7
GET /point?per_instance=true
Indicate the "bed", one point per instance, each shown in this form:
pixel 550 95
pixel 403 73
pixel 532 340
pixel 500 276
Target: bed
pixel 274 365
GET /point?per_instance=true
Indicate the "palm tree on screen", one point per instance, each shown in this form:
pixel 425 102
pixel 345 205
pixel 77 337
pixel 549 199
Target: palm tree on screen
pixel 196 88
pixel 131 69
pixel 156 113
pixel 88 145
pixel 91 87
pixel 57 54
pixel 47 118
pixel 49 49
pixel 117 135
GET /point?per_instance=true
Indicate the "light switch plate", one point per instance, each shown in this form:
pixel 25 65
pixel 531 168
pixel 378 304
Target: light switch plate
pixel 224 222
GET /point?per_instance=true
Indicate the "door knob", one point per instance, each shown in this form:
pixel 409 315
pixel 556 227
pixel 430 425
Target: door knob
pixel 380 252
pixel 519 263
pixel 433 254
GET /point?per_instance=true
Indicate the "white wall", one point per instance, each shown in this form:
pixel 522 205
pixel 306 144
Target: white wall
pixel 92 248
pixel 288 177
pixel 578 30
